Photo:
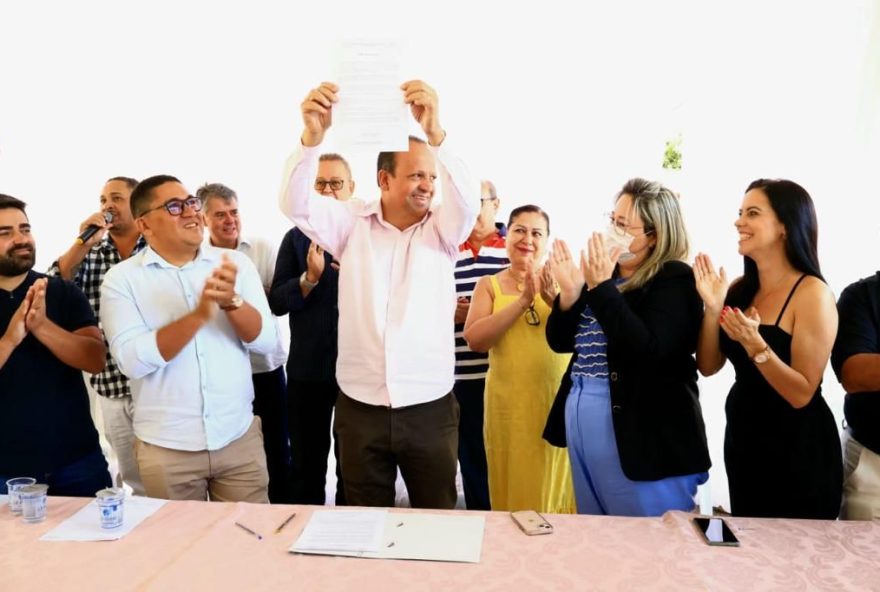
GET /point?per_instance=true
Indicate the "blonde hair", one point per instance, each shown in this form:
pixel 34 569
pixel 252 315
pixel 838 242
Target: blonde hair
pixel 658 207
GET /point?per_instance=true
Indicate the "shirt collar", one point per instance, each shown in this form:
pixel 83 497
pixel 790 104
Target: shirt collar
pixel 108 246
pixel 206 253
pixel 374 208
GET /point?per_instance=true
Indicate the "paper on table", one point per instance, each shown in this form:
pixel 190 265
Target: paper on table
pixel 85 525
pixel 342 530
pixel 427 537
pixel 370 114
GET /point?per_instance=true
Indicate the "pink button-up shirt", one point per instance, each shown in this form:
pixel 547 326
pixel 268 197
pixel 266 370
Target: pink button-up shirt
pixel 396 287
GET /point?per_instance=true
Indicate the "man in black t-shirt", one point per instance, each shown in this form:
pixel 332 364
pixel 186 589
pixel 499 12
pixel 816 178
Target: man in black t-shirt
pixel 856 362
pixel 49 336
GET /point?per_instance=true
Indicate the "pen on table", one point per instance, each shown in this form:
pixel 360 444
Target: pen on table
pixel 246 529
pixel 285 523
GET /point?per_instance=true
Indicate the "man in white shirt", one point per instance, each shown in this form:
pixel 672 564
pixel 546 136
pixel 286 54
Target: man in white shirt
pixel 223 223
pixel 180 318
pixel 396 304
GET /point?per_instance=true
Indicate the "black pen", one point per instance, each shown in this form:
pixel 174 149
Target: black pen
pixel 246 529
pixel 285 523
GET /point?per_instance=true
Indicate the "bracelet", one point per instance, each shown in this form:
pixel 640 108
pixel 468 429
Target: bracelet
pixel 304 280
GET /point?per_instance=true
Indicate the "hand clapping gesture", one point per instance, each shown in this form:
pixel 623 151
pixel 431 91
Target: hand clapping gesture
pixel 597 264
pixel 711 286
pixel 314 262
pixel 565 272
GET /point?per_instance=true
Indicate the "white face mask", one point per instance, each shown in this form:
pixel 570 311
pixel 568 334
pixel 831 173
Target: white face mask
pixel 613 239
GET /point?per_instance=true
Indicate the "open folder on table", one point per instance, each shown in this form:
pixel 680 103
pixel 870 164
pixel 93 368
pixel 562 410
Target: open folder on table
pixel 379 534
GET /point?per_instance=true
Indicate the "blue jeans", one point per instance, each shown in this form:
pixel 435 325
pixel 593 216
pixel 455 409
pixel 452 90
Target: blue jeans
pixel 81 478
pixel 600 486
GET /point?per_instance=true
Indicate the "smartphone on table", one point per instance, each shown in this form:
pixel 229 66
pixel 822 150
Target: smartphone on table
pixel 715 531
pixel 530 522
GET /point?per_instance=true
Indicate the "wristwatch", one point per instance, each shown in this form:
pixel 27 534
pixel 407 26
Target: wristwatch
pixel 305 281
pixel 762 356
pixel 234 303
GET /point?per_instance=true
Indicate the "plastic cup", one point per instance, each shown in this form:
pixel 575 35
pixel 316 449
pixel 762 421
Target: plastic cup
pixel 12 488
pixel 110 504
pixel 33 502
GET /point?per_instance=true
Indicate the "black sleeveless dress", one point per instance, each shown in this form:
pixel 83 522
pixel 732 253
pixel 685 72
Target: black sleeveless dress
pixel 781 461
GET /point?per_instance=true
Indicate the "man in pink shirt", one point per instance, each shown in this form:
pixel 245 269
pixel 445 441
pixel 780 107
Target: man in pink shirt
pixel 396 303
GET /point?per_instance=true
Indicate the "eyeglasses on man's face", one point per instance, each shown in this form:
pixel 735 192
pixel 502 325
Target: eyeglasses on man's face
pixel 532 317
pixel 175 206
pixel 335 184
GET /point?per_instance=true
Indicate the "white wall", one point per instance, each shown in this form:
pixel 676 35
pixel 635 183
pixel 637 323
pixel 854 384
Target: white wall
pixel 557 109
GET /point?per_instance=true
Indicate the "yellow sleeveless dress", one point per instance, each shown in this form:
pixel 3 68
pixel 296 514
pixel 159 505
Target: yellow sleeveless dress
pixel 525 473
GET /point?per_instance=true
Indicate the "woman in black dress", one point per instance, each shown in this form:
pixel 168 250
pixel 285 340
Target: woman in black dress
pixel 776 324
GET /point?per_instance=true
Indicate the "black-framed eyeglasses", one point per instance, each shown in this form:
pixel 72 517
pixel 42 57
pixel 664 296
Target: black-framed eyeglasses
pixel 335 184
pixel 532 317
pixel 175 205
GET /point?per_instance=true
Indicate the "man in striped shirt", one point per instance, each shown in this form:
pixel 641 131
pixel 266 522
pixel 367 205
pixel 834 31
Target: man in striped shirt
pixel 483 253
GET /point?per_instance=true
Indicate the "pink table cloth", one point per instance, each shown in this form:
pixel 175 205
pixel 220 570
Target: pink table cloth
pixel 196 546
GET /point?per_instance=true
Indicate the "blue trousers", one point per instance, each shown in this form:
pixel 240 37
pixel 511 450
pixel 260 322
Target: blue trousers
pixel 81 478
pixel 600 486
pixel 270 404
pixel 471 448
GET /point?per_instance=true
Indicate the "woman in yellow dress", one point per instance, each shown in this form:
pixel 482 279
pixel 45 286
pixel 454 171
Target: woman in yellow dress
pixel 507 318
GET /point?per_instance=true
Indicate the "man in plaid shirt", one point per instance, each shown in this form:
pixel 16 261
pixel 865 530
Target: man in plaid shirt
pixel 86 263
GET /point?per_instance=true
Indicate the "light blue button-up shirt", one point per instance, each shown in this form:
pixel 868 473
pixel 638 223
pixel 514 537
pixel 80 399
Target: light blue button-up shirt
pixel 202 398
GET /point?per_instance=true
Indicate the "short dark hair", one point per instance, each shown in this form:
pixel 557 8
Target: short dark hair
pixel 143 193
pixel 132 183
pixel 528 209
pixel 7 202
pixel 332 156
pixel 387 161
pixel 218 190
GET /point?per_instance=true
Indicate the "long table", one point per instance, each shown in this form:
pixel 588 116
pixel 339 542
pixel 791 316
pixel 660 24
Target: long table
pixel 195 546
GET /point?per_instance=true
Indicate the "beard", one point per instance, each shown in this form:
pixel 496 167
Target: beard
pixel 13 264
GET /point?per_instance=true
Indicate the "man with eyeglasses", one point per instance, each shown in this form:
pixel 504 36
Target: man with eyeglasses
pixel 223 223
pixel 86 263
pixel 483 253
pixel 305 287
pixel 396 303
pixel 181 318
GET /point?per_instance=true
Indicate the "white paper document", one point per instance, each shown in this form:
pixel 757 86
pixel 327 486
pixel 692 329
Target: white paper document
pixel 370 114
pixel 426 537
pixel 342 530
pixel 85 525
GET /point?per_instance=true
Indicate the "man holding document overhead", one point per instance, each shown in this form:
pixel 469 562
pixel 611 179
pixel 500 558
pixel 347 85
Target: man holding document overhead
pixel 396 303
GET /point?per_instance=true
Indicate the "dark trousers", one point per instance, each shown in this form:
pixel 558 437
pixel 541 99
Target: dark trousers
pixel 471 448
pixel 81 478
pixel 310 404
pixel 270 404
pixel 420 439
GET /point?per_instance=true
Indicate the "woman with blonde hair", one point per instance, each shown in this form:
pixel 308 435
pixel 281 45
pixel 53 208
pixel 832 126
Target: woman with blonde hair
pixel 628 409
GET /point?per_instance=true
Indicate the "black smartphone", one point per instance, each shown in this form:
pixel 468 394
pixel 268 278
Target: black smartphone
pixel 716 532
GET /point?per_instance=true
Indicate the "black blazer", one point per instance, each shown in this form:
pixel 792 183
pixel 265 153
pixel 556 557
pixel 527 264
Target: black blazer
pixel 652 336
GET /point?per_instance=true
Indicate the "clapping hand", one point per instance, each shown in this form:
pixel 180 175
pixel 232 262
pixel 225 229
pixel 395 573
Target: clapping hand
pixel 597 264
pixel 711 286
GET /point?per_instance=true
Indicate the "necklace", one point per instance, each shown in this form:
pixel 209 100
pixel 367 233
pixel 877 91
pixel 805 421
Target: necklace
pixel 520 282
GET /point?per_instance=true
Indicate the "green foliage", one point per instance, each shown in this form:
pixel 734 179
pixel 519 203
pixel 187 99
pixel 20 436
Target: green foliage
pixel 672 154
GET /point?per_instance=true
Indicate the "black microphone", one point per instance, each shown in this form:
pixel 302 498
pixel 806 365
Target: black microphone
pixel 91 229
